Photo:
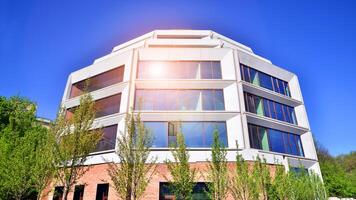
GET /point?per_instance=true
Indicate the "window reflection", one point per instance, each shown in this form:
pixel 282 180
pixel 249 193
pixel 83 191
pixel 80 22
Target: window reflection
pixel 264 80
pixel 196 134
pixel 268 108
pixel 179 70
pixel 274 140
pixel 108 140
pixel 97 82
pixel 179 100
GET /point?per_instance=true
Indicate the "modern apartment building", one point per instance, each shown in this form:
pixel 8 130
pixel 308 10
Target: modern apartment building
pixel 204 81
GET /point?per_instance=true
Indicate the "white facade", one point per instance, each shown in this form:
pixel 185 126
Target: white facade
pixel 199 45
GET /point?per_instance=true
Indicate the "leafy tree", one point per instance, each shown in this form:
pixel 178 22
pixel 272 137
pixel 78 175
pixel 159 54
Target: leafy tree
pixel 218 172
pixel 243 186
pixel 261 176
pixel 182 176
pixel 26 163
pixel 339 174
pixel 74 142
pixel 131 176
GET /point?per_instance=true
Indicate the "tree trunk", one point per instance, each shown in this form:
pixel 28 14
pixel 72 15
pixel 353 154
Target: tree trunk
pixel 65 193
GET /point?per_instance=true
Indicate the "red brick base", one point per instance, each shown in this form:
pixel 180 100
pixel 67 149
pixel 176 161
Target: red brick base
pixel 98 174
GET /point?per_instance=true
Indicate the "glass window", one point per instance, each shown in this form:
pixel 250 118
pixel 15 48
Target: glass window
pixel 158 131
pixel 58 193
pixel 102 191
pixel 213 99
pixel 108 105
pixel 97 82
pixel 78 192
pixel 193 134
pixel 254 138
pixel 281 87
pixel 254 79
pixel 265 81
pixel 210 128
pixel 210 70
pixel 263 138
pixel 276 141
pixel 179 99
pixel 245 73
pixel 199 191
pixel 279 112
pixel 179 70
pixel 173 128
pixel 108 140
pixel 266 108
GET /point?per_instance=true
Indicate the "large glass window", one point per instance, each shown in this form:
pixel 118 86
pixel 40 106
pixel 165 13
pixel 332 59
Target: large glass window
pixel 58 193
pixel 97 82
pixel 268 108
pixel 196 134
pixel 106 106
pixel 108 140
pixel 255 77
pixel 179 100
pixel 102 191
pixel 199 192
pixel 78 192
pixel 274 140
pixel 179 70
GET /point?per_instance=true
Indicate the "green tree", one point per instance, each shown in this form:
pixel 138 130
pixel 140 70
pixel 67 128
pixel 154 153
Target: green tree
pixel 131 176
pixel 339 174
pixel 261 176
pixel 218 172
pixel 243 186
pixel 23 171
pixel 75 140
pixel 182 176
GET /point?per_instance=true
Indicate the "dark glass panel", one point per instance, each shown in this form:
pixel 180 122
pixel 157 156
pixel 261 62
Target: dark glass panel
pixel 254 76
pixel 300 146
pixel 276 141
pixel 265 81
pixel 97 82
pixel 266 108
pixel 281 87
pixel 279 111
pixel 172 133
pixel 107 106
pixel 58 193
pixel 255 142
pixel 108 140
pixel 245 73
pixel 78 192
pixel 102 191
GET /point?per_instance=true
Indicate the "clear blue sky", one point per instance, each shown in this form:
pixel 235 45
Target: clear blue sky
pixel 42 41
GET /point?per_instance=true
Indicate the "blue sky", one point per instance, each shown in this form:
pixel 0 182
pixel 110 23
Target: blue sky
pixel 42 41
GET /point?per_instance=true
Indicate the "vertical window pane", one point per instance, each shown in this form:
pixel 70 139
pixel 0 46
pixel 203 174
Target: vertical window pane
pixel 245 73
pixel 216 70
pixel 266 108
pixel 254 137
pixel 58 193
pixel 300 146
pixel 107 106
pixel 281 87
pixel 172 133
pixel 193 134
pixel 263 138
pixel 210 70
pixel 159 133
pixel 258 105
pixel 254 77
pixel 108 140
pixel 276 141
pixel 78 192
pixel 102 192
pixel 213 100
pixel 97 82
pixel 279 112
pixel 265 81
pixel 209 128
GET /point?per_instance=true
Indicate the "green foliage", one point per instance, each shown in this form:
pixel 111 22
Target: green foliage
pixel 131 176
pixel 339 174
pixel 183 177
pixel 261 176
pixel 243 186
pixel 26 163
pixel 218 172
pixel 74 141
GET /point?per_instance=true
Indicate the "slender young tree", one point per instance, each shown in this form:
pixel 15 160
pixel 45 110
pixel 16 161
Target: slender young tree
pixel 218 172
pixel 242 185
pixel 182 175
pixel 74 142
pixel 131 176
pixel 262 177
